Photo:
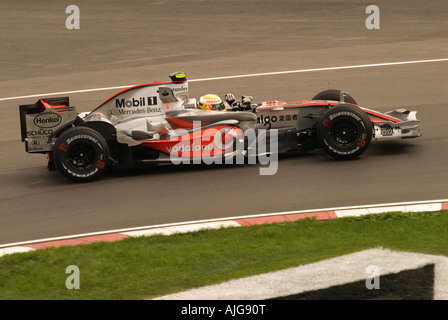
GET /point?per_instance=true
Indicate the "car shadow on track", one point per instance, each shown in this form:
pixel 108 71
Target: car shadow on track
pixel 391 148
pixel 167 169
pixel 376 149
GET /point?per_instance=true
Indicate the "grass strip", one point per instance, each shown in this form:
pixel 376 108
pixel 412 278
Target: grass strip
pixel 146 267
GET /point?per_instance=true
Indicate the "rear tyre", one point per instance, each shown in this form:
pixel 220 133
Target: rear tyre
pixel 334 95
pixel 344 132
pixel 81 154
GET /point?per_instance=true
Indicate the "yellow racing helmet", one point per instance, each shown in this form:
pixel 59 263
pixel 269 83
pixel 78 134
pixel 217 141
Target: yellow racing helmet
pixel 211 102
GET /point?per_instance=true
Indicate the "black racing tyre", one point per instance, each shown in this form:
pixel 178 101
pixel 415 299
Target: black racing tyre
pixel 344 132
pixel 81 154
pixel 335 95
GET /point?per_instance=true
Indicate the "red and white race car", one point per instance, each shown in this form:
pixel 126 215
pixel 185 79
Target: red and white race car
pixel 157 123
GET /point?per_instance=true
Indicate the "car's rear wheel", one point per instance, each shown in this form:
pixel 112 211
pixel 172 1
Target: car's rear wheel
pixel 344 132
pixel 81 154
pixel 334 95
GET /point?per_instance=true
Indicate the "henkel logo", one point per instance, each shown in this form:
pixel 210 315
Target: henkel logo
pixel 47 120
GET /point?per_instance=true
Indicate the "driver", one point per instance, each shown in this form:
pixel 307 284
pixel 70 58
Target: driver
pixel 214 102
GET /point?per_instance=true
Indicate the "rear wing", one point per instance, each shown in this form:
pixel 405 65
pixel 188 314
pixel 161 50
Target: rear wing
pixel 41 121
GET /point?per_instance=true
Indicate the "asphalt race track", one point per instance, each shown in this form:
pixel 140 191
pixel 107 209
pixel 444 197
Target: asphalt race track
pixel 124 43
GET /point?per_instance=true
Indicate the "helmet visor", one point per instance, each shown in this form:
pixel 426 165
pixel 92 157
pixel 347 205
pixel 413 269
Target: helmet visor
pixel 218 106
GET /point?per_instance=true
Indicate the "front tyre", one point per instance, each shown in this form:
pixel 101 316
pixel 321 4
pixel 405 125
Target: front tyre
pixel 344 132
pixel 81 154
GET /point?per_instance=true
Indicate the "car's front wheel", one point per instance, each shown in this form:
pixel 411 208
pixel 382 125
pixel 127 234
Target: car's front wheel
pixel 344 132
pixel 81 154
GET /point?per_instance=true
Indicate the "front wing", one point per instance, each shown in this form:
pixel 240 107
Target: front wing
pixel 400 123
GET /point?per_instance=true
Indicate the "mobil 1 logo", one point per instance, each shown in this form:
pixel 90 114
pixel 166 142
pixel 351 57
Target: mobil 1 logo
pixel 136 102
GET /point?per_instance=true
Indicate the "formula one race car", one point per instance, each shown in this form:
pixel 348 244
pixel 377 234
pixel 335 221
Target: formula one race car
pixel 158 123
